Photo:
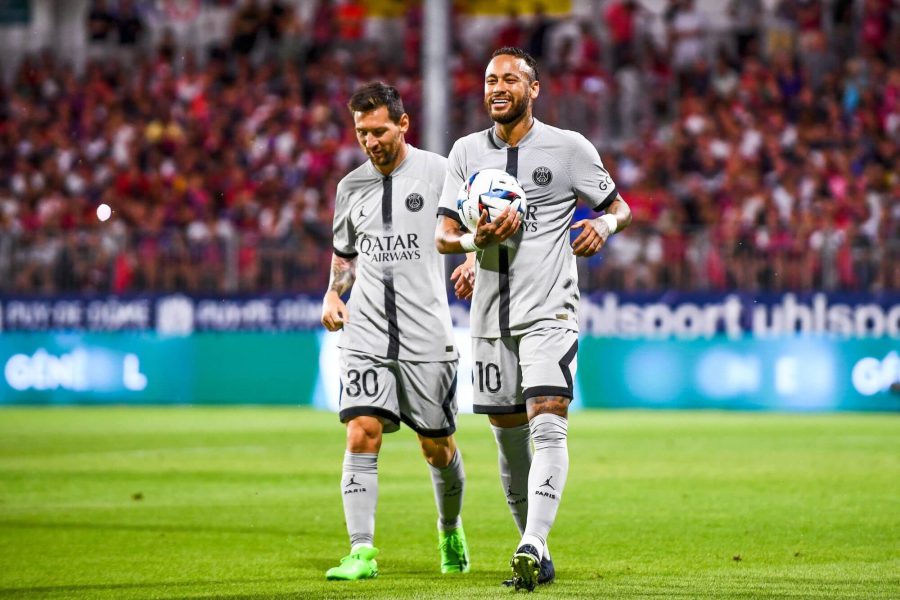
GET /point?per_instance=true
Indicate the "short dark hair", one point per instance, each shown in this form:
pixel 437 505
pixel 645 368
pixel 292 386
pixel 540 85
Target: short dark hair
pixel 375 94
pixel 519 53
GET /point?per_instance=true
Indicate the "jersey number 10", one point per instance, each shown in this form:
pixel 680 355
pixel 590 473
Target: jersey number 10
pixel 488 373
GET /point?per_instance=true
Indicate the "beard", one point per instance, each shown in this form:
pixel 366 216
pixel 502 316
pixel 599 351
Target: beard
pixel 517 108
pixel 386 157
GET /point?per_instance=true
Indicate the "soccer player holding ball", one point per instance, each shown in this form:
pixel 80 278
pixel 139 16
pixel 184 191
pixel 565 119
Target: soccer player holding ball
pixel 398 357
pixel 524 318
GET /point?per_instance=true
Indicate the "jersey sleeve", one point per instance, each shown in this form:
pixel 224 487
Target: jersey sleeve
pixel 344 232
pixel 590 179
pixel 437 172
pixel 453 181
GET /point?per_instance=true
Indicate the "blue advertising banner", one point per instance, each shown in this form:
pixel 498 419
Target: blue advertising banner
pixel 672 315
pixel 791 374
pixel 814 352
pixel 174 314
pixel 686 316
pixel 147 368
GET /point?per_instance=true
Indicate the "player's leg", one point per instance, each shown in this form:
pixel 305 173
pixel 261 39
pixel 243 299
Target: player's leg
pixel 359 491
pixel 549 470
pixel 369 409
pixel 498 394
pixel 448 479
pixel 513 438
pixel 497 391
pixel 548 362
pixel 427 397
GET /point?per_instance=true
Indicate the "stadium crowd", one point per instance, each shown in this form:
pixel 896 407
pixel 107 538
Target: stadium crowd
pixel 759 155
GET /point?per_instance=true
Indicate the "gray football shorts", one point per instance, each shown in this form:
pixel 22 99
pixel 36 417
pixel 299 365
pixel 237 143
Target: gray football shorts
pixel 507 371
pixel 421 394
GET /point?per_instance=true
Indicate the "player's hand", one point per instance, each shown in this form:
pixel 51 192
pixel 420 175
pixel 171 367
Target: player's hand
pixel 594 233
pixel 334 312
pixel 501 228
pixel 464 276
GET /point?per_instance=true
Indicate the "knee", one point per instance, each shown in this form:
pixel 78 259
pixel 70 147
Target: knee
pixel 438 451
pixel 364 435
pixel 549 430
pixel 508 421
pixel 551 405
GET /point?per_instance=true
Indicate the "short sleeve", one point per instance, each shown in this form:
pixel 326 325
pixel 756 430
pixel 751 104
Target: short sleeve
pixel 453 180
pixel 344 232
pixel 590 179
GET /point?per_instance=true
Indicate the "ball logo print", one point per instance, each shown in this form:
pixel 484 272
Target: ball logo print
pixel 542 176
pixel 415 202
pixel 491 190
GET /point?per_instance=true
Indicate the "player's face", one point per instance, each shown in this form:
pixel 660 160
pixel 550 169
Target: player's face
pixel 380 137
pixel 508 92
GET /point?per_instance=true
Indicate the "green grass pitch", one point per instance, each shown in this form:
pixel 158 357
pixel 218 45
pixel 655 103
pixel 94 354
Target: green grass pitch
pixel 244 503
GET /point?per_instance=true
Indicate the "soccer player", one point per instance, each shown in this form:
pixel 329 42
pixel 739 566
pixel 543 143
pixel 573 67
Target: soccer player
pixel 398 357
pixel 524 319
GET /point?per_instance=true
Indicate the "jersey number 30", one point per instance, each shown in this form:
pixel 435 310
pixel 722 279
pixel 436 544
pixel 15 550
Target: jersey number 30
pixel 365 383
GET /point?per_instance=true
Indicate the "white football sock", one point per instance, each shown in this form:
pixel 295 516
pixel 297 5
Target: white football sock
pixel 359 490
pixel 514 458
pixel 449 484
pixel 547 478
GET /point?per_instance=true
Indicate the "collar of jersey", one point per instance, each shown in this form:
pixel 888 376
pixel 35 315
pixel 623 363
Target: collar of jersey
pixel 403 166
pixel 501 144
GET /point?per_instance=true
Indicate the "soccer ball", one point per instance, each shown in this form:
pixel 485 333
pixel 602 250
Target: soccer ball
pixel 491 190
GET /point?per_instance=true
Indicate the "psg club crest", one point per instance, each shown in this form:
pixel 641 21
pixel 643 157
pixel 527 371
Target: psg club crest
pixel 415 202
pixel 542 176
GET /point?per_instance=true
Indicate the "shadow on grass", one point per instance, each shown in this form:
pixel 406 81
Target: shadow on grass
pixel 148 528
pixel 110 587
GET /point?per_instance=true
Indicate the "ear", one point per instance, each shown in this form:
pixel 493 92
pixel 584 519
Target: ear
pixel 535 89
pixel 404 122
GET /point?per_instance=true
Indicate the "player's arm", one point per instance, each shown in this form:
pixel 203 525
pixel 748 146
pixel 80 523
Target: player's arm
pixel 343 262
pixel 452 239
pixel 343 274
pixel 593 184
pixel 595 232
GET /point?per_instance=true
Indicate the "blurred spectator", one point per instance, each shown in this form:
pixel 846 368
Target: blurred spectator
pixel 874 28
pixel 246 26
pixel 620 17
pixel 277 19
pixel 511 32
pixel 537 33
pixel 324 29
pixel 746 19
pixel 100 22
pixel 351 23
pixel 688 30
pixel 129 24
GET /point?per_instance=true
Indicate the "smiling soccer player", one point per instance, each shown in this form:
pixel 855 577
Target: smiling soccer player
pixel 524 318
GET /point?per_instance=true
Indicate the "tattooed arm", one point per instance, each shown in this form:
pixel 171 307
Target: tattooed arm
pixel 343 274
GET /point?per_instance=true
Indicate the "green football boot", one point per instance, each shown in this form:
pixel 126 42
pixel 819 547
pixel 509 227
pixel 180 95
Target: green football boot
pixel 356 565
pixel 454 551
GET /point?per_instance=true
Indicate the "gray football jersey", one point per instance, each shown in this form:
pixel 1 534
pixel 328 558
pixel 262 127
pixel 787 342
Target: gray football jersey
pixel 535 283
pixel 398 303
